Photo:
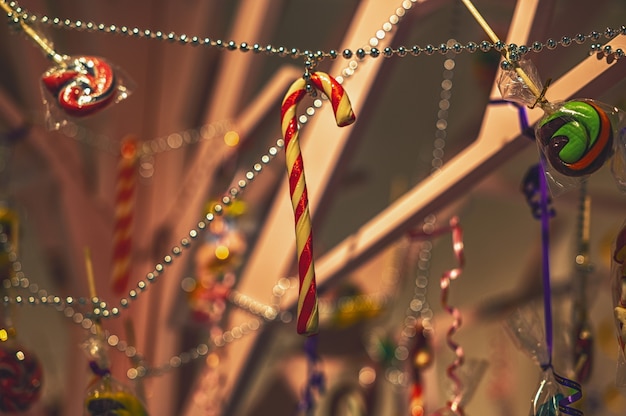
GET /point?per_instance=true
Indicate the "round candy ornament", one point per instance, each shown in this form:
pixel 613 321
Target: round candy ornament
pixel 577 137
pixel 78 86
pixel 21 378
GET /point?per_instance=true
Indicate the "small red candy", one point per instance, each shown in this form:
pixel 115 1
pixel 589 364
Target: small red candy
pixel 82 86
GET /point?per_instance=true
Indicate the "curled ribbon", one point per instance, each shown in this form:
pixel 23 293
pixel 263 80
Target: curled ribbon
pixel 574 397
pixel 446 278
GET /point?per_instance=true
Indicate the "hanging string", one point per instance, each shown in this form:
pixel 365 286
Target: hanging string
pixel 564 403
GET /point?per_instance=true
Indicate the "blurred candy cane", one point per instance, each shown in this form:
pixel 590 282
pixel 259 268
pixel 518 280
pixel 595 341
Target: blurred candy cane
pixel 124 206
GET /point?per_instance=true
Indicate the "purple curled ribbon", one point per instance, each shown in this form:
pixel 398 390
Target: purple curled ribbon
pixel 574 397
pixel 531 189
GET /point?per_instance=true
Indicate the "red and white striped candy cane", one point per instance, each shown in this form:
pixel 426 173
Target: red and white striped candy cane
pixel 307 299
pixel 124 206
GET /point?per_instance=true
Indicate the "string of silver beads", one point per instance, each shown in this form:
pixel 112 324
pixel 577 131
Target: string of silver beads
pixel 295 53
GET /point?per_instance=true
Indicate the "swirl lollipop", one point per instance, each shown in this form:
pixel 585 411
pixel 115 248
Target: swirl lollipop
pixel 80 85
pixel 21 379
pixel 577 137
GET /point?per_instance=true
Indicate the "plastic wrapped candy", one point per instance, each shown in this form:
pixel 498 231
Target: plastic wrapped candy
pixel 576 137
pixel 105 395
pixel 618 286
pixel 78 86
pixel 527 333
pixel 108 397
pixel 21 378
pixel 513 88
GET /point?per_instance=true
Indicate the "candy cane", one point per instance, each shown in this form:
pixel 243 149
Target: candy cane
pixel 125 190
pixel 307 299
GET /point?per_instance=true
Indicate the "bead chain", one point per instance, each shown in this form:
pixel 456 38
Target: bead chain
pixel 516 52
pixel 101 309
pixel 151 147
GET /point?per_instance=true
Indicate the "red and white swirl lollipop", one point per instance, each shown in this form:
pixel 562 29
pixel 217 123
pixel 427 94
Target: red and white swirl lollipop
pixel 307 300
pixel 82 85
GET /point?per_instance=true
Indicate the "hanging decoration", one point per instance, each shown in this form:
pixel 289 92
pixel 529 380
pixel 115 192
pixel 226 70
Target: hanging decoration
pixel 555 392
pixel 124 208
pixel 307 319
pixel 105 396
pixel 75 86
pixel 454 406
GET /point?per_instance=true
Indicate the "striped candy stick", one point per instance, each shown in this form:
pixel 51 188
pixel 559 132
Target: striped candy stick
pixel 307 299
pixel 124 206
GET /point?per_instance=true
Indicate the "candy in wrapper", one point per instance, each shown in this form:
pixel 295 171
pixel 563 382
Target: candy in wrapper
pixel 107 397
pixel 546 401
pixel 576 138
pixel 78 86
pixel 526 330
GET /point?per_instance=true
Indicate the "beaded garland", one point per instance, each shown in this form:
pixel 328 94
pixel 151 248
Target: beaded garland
pixel 515 52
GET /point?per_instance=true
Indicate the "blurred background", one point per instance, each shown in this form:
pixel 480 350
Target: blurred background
pixel 204 116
